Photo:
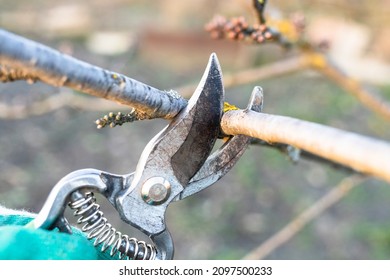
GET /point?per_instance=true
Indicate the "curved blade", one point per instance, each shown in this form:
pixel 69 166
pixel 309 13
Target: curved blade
pixel 204 111
pixel 221 161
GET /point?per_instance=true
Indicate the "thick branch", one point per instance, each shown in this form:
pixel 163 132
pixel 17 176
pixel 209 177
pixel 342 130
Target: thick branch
pixel 38 62
pixel 364 154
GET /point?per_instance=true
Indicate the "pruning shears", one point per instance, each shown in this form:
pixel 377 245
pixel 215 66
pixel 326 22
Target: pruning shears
pixel 177 163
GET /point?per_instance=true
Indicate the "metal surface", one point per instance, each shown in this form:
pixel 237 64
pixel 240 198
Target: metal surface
pixel 156 190
pixel 221 161
pixel 51 214
pixel 175 164
pixel 96 226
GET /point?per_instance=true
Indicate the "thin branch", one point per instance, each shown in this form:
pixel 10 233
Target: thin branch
pixel 308 215
pixel 114 119
pixel 39 62
pixel 275 69
pixel 239 29
pixel 55 102
pixel 367 98
pixel 259 6
pixel 37 108
pixel 363 154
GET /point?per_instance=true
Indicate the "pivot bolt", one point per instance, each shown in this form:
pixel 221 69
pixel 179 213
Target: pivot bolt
pixel 156 190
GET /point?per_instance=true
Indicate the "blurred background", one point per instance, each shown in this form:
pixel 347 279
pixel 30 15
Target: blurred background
pixel 164 44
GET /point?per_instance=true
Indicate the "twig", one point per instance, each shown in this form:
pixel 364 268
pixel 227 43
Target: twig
pixel 238 29
pixel 114 119
pixel 259 6
pixel 369 99
pixel 364 154
pixel 308 215
pixel 37 108
pixel 39 62
pixel 55 102
pixel 275 69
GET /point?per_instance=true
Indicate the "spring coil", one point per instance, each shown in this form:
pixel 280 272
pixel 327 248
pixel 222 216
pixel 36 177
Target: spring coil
pixel 96 225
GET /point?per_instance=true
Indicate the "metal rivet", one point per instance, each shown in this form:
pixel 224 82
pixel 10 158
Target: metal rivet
pixel 156 190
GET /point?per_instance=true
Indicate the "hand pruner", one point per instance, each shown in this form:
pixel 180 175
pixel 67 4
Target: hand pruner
pixel 175 164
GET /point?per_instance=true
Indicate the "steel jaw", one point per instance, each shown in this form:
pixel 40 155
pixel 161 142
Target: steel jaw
pixel 221 161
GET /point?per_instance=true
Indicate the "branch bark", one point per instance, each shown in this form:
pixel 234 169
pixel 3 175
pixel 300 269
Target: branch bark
pixel 21 58
pixel 364 154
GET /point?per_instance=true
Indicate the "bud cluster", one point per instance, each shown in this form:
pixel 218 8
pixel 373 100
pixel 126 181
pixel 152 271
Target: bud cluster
pixel 113 119
pixel 238 29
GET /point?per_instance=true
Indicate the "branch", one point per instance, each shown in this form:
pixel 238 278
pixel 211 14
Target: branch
pixel 66 99
pixel 41 63
pixel 376 103
pixel 55 102
pixel 297 224
pixel 363 154
pixel 274 69
pixel 259 6
pixel 238 29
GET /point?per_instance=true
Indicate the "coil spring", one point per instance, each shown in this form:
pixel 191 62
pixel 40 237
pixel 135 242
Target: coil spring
pixel 96 226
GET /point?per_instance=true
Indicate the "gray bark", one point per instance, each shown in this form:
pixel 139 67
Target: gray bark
pixel 22 58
